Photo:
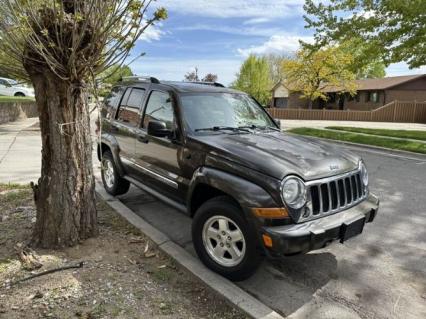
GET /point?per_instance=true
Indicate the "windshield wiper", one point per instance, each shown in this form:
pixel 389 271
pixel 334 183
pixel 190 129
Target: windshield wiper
pixel 223 128
pixel 254 127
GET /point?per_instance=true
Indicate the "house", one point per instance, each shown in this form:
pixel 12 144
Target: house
pixel 280 96
pixel 371 94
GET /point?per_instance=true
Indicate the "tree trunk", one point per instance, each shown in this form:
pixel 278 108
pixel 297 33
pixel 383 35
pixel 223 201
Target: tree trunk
pixel 65 195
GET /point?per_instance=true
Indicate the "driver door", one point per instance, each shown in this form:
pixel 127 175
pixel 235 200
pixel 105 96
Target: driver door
pixel 157 158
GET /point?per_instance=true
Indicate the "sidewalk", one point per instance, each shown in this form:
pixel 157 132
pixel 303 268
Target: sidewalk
pixel 20 151
pixel 289 124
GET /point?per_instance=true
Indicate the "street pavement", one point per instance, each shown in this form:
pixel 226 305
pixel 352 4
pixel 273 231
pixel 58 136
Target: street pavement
pixel 379 274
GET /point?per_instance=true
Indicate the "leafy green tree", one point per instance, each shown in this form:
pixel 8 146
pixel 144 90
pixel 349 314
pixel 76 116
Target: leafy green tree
pixel 60 46
pixel 312 72
pixel 254 79
pixel 114 74
pixel 393 30
pixel 364 67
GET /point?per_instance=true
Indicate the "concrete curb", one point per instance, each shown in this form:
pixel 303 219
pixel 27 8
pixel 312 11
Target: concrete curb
pixel 225 288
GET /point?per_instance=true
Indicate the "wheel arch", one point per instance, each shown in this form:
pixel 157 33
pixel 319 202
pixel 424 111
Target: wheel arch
pixel 108 143
pixel 208 183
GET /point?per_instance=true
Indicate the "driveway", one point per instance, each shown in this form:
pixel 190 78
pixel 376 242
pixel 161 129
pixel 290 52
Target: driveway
pixel 380 274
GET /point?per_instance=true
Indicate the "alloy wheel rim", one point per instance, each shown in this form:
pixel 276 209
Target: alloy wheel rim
pixel 224 241
pixel 109 173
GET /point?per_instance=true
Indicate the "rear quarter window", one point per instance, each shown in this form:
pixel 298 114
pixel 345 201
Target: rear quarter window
pixel 111 101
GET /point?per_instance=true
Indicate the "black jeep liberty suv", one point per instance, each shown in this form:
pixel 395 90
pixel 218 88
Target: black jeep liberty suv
pixel 216 154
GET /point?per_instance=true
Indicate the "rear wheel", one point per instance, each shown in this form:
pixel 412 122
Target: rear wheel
pixel 223 239
pixel 113 183
pixel 20 94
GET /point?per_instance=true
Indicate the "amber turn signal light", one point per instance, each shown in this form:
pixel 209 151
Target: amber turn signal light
pixel 273 213
pixel 267 241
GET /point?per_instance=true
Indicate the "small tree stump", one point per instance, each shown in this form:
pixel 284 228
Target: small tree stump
pixel 28 258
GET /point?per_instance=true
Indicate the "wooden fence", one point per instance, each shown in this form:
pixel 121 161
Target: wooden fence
pixel 396 111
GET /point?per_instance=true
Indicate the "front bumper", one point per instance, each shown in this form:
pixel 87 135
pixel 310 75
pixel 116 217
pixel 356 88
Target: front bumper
pixel 316 234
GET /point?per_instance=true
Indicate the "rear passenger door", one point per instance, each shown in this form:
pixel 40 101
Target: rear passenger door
pixel 126 126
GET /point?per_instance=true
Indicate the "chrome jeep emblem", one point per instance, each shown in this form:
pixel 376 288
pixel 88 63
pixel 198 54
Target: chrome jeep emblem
pixel 334 167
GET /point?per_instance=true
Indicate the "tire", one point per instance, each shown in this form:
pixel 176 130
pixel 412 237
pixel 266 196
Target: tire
pixel 114 184
pixel 20 94
pixel 206 228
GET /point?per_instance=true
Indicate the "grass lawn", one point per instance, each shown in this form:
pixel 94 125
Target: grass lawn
pixel 8 99
pixel 13 186
pixel 414 135
pixel 411 146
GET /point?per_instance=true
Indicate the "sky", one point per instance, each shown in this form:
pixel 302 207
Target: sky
pixel 216 36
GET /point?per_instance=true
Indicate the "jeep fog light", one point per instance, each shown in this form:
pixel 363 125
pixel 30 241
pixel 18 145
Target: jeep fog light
pixel 364 173
pixel 293 192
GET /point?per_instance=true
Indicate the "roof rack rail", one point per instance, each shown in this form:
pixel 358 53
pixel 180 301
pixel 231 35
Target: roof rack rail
pixel 140 78
pixel 217 84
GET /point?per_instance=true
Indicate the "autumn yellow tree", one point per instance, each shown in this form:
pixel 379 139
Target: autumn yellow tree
pixel 311 73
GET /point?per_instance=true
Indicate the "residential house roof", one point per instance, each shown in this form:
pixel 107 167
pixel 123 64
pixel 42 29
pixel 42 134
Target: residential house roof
pixel 378 84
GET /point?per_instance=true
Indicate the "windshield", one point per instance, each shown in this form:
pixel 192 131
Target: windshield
pixel 215 110
pixel 12 82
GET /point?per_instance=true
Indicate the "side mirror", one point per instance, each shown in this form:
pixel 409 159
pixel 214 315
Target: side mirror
pixel 158 129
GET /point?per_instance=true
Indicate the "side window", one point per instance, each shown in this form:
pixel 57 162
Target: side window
pixel 112 100
pixel 159 108
pixel 129 109
pixel 2 82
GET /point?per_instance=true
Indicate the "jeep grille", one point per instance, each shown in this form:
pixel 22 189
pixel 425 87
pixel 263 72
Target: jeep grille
pixel 335 194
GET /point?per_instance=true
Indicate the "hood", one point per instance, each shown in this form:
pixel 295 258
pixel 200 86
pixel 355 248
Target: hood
pixel 279 154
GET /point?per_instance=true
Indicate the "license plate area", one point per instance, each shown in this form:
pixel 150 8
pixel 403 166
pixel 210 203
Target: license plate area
pixel 351 229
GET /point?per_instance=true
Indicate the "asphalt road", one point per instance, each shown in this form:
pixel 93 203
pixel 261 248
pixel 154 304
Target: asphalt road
pixel 379 274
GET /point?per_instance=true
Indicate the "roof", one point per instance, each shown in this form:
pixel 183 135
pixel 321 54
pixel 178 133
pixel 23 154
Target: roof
pixel 378 84
pixel 276 86
pixel 182 87
pixel 187 87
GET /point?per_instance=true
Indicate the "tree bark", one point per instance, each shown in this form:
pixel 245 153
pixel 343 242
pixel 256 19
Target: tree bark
pixel 65 195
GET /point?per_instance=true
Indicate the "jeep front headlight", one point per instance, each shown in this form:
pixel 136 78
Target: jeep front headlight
pixel 293 192
pixel 364 173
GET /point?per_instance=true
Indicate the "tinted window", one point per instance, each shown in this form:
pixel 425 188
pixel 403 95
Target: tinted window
pixel 159 108
pixel 111 102
pixel 3 82
pixel 129 109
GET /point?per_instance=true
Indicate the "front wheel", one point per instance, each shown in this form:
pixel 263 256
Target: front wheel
pixel 223 239
pixel 114 184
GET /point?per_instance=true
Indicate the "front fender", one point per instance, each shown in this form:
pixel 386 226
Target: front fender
pixel 109 141
pixel 246 193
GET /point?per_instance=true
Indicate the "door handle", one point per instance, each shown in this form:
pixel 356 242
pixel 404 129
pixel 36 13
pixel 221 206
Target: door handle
pixel 143 139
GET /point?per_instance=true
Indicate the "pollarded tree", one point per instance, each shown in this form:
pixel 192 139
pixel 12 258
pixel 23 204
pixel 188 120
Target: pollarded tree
pixel 59 45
